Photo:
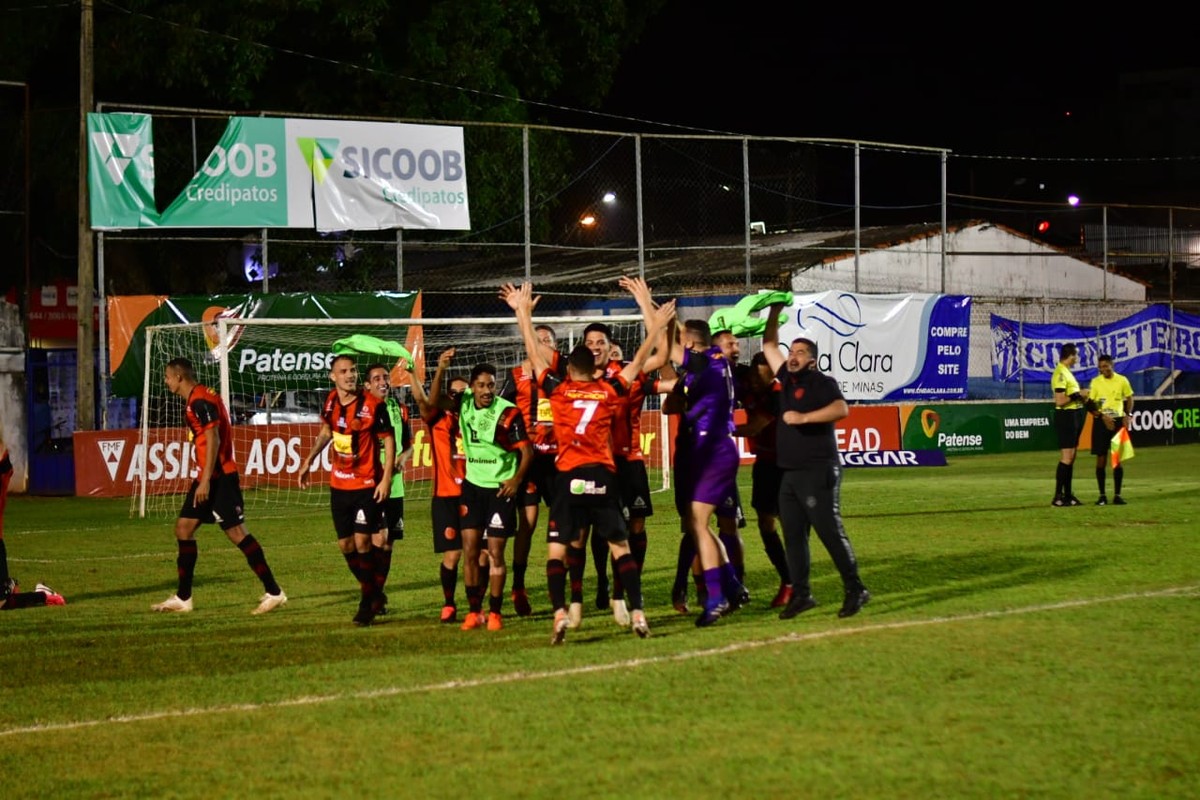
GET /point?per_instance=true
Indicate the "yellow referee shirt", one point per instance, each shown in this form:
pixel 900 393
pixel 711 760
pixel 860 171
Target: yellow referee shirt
pixel 1064 379
pixel 1110 393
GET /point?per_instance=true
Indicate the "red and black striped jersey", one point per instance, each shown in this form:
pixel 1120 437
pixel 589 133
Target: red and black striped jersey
pixel 522 390
pixel 206 410
pixel 357 428
pixel 627 424
pixel 449 460
pixel 583 419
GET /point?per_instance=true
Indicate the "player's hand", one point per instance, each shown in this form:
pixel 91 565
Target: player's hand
pixel 1109 422
pixel 381 492
pixel 303 478
pixel 446 357
pixel 201 495
pixel 508 488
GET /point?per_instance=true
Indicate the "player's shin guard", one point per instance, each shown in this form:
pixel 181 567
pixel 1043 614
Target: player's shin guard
pixel 1118 479
pixel 185 566
pixel 576 563
pixel 257 560
pixel 556 583
pixel 449 579
pixel 630 576
pixel 1100 475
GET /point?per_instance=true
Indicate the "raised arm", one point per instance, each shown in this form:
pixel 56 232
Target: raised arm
pixel 656 320
pixel 770 341
pixel 660 353
pixel 439 375
pixel 522 302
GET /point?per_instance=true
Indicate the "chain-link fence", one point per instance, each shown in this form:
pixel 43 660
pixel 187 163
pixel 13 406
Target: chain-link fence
pixel 701 217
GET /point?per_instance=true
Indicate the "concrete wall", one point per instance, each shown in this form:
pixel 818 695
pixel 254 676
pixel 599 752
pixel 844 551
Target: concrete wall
pixel 12 394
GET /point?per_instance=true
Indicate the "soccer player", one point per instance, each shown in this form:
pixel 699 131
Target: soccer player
pixel 379 384
pixel 706 459
pixel 522 390
pixel 1069 414
pixel 1113 398
pixel 587 494
pixel 498 458
pixel 216 493
pixel 809 403
pixel 758 401
pixel 357 424
pixel 7 584
pixel 439 411
pixel 632 480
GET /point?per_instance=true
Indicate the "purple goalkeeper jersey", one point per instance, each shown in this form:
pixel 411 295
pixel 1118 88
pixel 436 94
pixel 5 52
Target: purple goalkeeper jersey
pixel 708 390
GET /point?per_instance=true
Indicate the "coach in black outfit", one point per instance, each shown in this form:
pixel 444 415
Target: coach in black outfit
pixel 810 402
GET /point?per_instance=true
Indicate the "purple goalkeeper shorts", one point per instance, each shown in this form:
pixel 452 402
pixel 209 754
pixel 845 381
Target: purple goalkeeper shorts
pixel 708 474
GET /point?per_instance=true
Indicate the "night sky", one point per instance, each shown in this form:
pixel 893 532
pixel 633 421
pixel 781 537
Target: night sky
pixel 1012 79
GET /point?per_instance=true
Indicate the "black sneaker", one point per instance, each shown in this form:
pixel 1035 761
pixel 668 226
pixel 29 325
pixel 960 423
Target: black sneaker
pixel 798 605
pixel 855 600
pixel 9 587
pixel 1058 502
pixel 382 604
pixel 1118 501
pixel 1103 501
pixel 366 615
pixel 1074 501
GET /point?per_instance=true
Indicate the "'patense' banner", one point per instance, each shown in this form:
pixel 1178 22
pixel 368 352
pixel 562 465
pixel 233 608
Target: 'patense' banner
pixel 887 346
pixel 287 173
pixel 1145 340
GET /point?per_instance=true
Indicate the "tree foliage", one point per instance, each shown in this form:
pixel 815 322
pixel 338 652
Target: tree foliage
pixel 432 60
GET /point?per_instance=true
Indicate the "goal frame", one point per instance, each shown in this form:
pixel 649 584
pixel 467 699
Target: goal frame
pixel 224 334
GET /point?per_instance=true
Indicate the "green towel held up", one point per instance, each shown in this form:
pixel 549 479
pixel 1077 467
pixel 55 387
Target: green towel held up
pixel 741 320
pixel 372 346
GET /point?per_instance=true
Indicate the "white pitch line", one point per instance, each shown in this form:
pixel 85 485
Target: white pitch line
pixel 515 677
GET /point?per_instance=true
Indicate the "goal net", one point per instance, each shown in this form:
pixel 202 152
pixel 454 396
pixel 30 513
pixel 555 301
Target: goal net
pixel 273 375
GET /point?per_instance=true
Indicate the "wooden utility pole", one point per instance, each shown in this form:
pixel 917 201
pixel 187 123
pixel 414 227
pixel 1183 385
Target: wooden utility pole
pixel 85 399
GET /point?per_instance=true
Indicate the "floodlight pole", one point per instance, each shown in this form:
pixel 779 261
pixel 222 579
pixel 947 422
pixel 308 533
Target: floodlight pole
pixel 85 398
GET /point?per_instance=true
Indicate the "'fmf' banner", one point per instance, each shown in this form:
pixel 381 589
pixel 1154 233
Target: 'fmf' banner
pixel 1145 340
pixel 286 173
pixel 887 346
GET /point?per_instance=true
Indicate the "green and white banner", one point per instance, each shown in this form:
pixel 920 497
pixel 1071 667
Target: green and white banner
pixel 291 173
pixel 121 171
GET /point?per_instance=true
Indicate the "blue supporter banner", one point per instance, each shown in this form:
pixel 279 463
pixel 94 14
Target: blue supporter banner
pixel 1148 339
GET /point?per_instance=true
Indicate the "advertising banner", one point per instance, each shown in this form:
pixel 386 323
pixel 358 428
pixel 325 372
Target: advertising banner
pixel 1165 421
pixel 1149 339
pixel 868 428
pixel 121 171
pixel 886 347
pixel 979 427
pixel 334 175
pixel 109 463
pixel 269 364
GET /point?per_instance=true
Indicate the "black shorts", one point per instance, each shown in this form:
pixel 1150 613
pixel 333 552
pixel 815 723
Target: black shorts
pixel 446 513
pixel 483 510
pixel 539 481
pixel 635 487
pixel 1068 424
pixel 393 515
pixel 224 505
pixel 764 492
pixel 587 497
pixel 355 511
pixel 1102 437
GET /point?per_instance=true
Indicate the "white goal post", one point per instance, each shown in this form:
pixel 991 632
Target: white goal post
pixel 273 375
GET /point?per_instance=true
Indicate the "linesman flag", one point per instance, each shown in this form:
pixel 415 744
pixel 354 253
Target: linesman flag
pixel 1120 448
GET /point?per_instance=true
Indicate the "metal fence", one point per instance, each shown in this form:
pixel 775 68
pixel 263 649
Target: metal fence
pixel 699 216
